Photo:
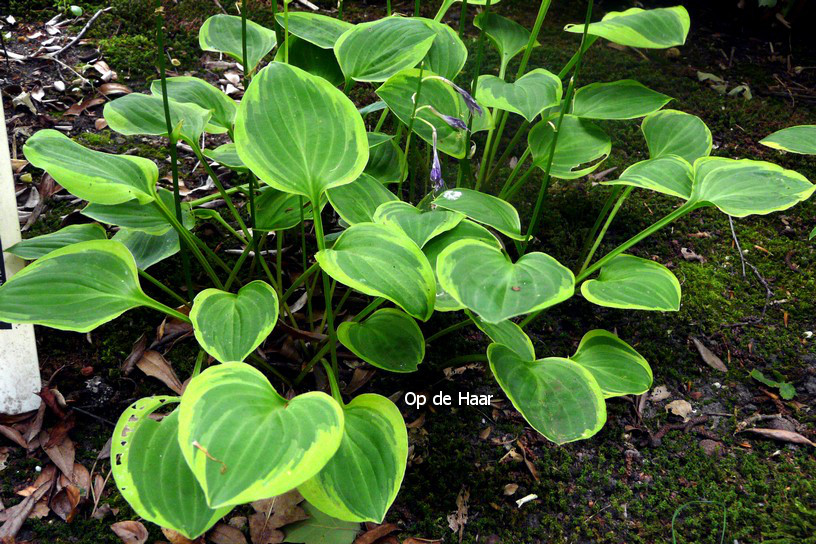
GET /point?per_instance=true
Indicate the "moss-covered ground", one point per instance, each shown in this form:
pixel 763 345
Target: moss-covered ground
pixel 620 486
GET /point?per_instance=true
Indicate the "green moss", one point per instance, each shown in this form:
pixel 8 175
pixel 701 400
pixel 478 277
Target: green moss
pixel 133 57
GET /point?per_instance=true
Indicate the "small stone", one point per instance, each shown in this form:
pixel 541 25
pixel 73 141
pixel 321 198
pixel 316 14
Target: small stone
pixel 710 447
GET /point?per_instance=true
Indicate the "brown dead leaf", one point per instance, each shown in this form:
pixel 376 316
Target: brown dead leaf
pixel 484 434
pixel 224 534
pixel 101 123
pixel 61 454
pixel 689 255
pixel 81 478
pixel 358 379
pixel 80 107
pixel 782 436
pixel 14 435
pixel 131 532
pixel 261 532
pixel 35 426
pixel 457 520
pixel 373 535
pixel 14 517
pixel 510 489
pixel 174 537
pixel 661 392
pixel 65 502
pixel 136 353
pixel 17 165
pixel 680 408
pixel 114 89
pixel 708 357
pixel 153 364
pixel 281 510
pixel 59 432
pixel 417 540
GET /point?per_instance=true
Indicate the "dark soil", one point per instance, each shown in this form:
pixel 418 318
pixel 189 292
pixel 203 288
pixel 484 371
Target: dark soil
pixel 626 483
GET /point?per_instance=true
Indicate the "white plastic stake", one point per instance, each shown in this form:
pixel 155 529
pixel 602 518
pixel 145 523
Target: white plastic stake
pixel 19 367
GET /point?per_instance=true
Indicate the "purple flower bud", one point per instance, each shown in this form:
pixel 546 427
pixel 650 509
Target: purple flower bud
pixel 455 122
pixel 436 169
pixel 470 102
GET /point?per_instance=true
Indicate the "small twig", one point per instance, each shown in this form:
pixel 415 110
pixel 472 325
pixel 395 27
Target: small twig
pixel 736 241
pixel 81 32
pixel 768 290
pixel 94 416
pixel 219 6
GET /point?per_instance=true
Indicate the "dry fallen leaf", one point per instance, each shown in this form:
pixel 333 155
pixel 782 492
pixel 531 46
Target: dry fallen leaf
pixel 14 517
pixel 708 357
pixel 262 532
pixel 174 537
pixel 458 519
pixel 136 353
pixel 224 534
pixel 14 435
pixel 65 502
pixel 782 436
pixel 153 364
pixel 61 454
pixel 510 489
pixel 375 534
pixel 680 408
pixel 661 392
pixel 131 532
pixel 80 107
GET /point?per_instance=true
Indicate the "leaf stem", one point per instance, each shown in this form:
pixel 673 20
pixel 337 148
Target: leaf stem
pixel 221 190
pixel 335 387
pixel 505 190
pixel 156 305
pixel 508 150
pixel 216 196
pixel 453 328
pixel 602 233
pixel 164 288
pixel 327 293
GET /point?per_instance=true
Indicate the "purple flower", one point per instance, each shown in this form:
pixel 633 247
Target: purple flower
pixel 436 169
pixel 455 122
pixel 470 102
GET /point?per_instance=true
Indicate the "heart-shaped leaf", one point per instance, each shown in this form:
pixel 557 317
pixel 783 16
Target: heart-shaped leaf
pixel 372 456
pixel 672 132
pixel 196 91
pixel 484 280
pixel 230 326
pixel 144 217
pixel 669 174
pixel 245 442
pixel 651 29
pixel 745 187
pixel 582 147
pixel 313 59
pixel 388 339
pixel 799 139
pixel 507 36
pixel 298 133
pixel 508 334
pixel 377 50
pixel 624 99
pixel 91 175
pixel 420 226
pixel 379 260
pixel 397 93
pixel 34 248
pixel 483 208
pixel 222 33
pixel 74 288
pixel 616 366
pixel 448 54
pixel 143 114
pixel 357 201
pixel 320 30
pixel 528 96
pixel 386 161
pixel 227 155
pixel 465 230
pixel 148 249
pixel 276 210
pixel 151 473
pixel 632 283
pixel 559 398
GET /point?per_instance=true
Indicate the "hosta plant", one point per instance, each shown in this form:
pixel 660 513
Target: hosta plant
pixel 392 227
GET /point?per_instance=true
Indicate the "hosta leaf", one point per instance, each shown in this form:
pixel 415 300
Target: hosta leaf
pixel 507 36
pixel 483 208
pixel 466 229
pixel 230 326
pixel 143 114
pixel 379 260
pixel 668 174
pixel 672 132
pixel 446 4
pixel 320 30
pixel 616 366
pixel 654 28
pixel 376 139
pixel 386 162
pixel 528 96
pixel 357 201
pixel 313 59
pixel 388 339
pixel 559 398
pixel 582 147
pixel 448 53
pixel 196 91
pixel 222 33
pixel 74 288
pixel 245 442
pixel 745 187
pixel 144 217
pixel 377 50
pixel 152 475
pixel 624 99
pixel 276 210
pixel 91 175
pixel 397 93
pixel 34 248
pixel 227 155
pixel 420 226
pixel 321 528
pixel 372 457
pixel 799 139
pixel 298 133
pixel 508 334
pixel 484 280
pixel 148 249
pixel 633 283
